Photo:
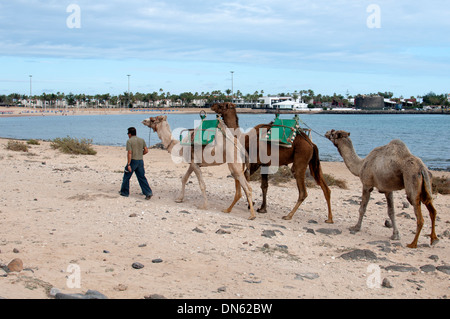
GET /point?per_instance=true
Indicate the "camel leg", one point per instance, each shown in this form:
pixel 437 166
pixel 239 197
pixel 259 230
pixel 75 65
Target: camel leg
pixel 184 180
pixel 264 187
pixel 248 192
pixel 433 213
pixel 239 176
pixel 362 208
pixel 391 213
pixel 302 193
pixel 237 196
pixel 419 218
pixel 327 193
pixel 201 182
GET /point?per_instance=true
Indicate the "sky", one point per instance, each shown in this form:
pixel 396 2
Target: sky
pixel 275 46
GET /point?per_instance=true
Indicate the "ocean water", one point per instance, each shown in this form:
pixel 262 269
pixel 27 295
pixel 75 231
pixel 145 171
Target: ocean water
pixel 426 135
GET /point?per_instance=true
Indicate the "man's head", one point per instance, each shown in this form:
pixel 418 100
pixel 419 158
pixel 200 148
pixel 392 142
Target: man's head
pixel 132 131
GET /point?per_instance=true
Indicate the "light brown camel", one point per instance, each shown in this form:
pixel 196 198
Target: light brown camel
pixel 389 168
pixel 224 149
pixel 302 154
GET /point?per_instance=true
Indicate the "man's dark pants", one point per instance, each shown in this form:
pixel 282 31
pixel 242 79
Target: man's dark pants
pixel 137 166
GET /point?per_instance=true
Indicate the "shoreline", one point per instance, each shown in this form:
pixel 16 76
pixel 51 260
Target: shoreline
pixel 25 111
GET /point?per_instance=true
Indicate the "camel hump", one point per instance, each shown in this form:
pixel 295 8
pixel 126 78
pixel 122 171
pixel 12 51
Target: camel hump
pixel 398 143
pixel 399 148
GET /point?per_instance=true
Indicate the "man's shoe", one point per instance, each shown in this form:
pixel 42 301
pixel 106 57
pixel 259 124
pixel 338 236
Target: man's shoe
pixel 122 194
pixel 148 197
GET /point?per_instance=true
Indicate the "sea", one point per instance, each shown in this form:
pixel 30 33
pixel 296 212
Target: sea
pixel 426 135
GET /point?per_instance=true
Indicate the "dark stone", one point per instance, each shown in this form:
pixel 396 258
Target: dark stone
pixel 401 268
pixel 270 233
pixel 90 294
pixel 444 269
pixel 386 283
pixel 359 254
pixel 307 275
pixel 137 265
pixel 154 296
pixel 222 231
pixel 428 268
pixel 329 231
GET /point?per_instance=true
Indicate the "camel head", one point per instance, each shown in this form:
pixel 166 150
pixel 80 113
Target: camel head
pixel 153 122
pixel 336 136
pixel 221 108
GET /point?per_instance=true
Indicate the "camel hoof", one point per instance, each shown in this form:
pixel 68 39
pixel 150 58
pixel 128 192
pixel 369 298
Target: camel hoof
pixel 286 217
pixel 226 211
pixel 434 241
pixel 178 200
pixel 412 245
pixel 354 229
pixel 262 210
pixel 251 217
pixel 329 221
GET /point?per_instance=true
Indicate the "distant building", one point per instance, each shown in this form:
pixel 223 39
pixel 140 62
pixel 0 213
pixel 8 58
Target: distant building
pixel 365 102
pixel 281 102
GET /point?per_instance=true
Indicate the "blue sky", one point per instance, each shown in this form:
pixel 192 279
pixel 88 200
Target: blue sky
pixel 340 46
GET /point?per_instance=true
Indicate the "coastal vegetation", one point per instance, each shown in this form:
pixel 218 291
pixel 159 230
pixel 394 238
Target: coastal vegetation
pixel 16 146
pixel 70 145
pixel 162 98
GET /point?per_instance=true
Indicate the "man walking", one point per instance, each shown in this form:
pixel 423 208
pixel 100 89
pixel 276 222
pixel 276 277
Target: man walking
pixel 136 149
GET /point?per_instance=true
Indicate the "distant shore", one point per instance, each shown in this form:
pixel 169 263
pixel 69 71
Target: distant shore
pixel 25 111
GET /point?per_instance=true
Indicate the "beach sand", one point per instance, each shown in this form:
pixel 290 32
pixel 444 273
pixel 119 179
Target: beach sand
pixel 63 217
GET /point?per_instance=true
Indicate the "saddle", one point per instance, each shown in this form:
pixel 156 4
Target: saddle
pixel 284 131
pixel 204 134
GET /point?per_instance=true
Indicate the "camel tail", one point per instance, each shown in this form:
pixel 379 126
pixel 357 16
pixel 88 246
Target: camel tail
pixel 427 190
pixel 314 164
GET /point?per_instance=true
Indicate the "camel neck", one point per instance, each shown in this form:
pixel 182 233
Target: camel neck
pixel 165 135
pixel 351 159
pixel 232 122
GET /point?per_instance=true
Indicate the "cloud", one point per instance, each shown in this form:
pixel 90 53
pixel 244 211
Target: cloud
pixel 310 35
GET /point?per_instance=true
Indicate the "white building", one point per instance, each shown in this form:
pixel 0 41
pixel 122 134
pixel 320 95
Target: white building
pixel 282 102
pixel 291 105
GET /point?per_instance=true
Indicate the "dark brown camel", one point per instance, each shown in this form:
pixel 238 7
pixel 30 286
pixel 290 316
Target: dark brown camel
pixel 302 154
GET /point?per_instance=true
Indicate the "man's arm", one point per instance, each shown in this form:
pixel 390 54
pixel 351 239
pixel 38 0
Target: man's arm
pixel 145 150
pixel 129 160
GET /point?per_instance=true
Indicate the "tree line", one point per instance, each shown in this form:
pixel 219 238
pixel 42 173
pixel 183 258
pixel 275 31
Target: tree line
pixel 162 98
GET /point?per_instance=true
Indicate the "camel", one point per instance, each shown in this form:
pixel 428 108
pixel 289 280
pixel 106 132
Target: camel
pixel 219 151
pixel 389 168
pixel 302 154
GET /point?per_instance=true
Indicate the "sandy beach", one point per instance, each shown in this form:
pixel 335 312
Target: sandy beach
pixel 62 216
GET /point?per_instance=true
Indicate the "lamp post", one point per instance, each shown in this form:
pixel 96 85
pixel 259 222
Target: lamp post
pixel 30 88
pixel 128 99
pixel 232 91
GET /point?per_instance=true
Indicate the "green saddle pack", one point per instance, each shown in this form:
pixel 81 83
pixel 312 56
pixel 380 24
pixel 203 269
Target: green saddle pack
pixel 283 131
pixel 204 134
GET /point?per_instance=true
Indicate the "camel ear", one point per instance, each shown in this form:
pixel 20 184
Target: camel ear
pixel 348 134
